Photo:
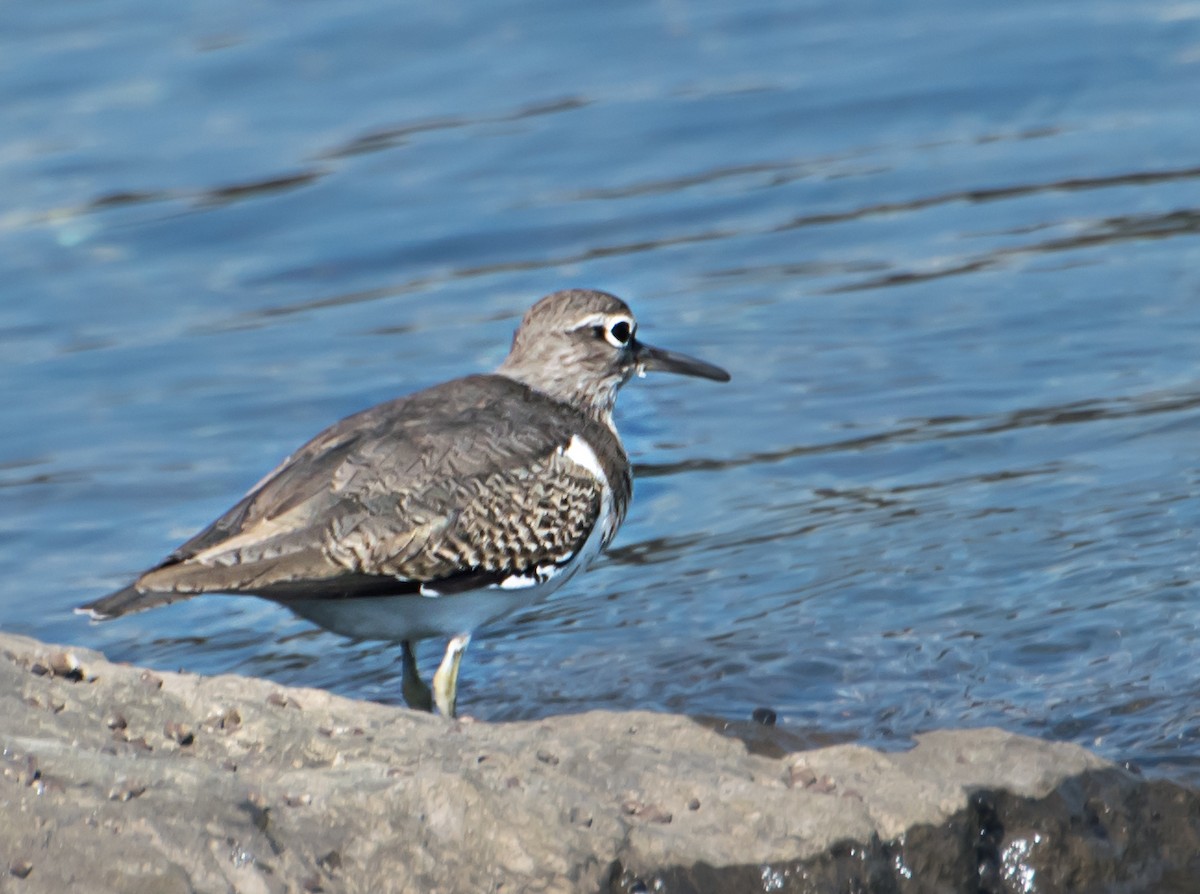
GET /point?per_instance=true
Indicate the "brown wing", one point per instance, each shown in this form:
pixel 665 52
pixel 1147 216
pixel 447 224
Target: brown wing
pixel 413 491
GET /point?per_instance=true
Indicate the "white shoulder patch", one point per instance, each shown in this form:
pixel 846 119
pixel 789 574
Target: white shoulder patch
pixel 581 453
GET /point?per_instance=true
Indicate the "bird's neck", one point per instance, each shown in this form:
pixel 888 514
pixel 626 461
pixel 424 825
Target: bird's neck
pixel 594 398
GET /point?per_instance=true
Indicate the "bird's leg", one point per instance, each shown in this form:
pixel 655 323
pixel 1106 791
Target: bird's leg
pixel 412 687
pixel 445 681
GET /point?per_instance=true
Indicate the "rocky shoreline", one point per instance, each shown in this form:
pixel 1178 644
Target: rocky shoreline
pixel 120 779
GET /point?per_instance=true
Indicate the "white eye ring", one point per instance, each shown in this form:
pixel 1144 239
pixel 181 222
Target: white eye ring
pixel 619 332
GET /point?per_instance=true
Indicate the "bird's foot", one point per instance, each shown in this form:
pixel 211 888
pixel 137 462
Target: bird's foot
pixel 445 681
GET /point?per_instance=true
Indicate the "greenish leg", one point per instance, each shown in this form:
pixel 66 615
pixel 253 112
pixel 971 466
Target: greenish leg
pixel 445 681
pixel 412 687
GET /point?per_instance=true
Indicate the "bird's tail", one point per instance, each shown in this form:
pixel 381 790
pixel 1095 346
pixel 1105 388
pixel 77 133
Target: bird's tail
pixel 126 602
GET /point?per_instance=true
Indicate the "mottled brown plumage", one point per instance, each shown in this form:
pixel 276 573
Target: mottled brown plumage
pixel 409 492
pixel 487 483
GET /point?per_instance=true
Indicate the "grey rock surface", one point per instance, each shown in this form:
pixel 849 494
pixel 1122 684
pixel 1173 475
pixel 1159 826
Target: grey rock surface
pixel 125 780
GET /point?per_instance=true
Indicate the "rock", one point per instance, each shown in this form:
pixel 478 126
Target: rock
pixel 117 779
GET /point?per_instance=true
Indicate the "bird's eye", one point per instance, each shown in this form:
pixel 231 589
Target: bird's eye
pixel 619 333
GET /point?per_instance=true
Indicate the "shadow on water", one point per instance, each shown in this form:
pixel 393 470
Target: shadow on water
pixel 390 137
pixel 1103 232
pixel 375 141
pixel 948 427
pixel 995 194
pixel 218 195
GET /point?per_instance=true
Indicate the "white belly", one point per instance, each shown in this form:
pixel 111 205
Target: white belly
pixel 397 618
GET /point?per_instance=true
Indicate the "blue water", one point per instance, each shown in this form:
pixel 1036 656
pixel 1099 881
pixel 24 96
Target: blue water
pixel 950 253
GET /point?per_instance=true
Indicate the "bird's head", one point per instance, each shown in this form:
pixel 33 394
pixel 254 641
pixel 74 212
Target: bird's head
pixel 580 346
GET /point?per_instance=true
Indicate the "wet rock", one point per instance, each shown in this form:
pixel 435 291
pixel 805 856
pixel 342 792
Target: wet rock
pixel 346 795
pixel 764 716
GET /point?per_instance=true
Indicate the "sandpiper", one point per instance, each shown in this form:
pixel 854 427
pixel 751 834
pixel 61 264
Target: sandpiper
pixel 436 513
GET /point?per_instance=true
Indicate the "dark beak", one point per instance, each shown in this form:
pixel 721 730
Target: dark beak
pixel 650 358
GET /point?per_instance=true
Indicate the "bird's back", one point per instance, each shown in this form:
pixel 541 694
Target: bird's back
pixel 462 485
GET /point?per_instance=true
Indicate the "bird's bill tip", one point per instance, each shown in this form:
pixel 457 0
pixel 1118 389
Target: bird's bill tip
pixel 661 360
